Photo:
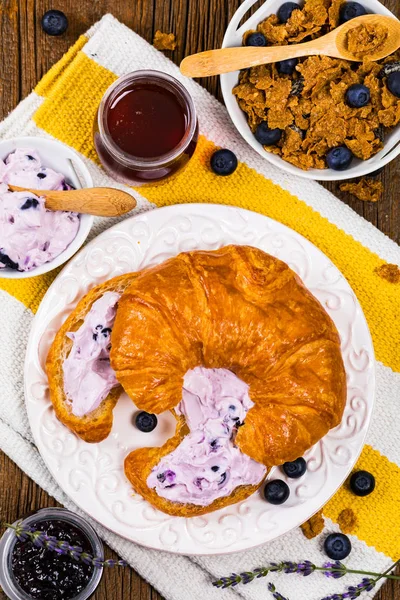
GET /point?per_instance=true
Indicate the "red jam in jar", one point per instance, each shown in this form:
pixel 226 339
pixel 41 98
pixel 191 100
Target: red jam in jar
pixel 146 128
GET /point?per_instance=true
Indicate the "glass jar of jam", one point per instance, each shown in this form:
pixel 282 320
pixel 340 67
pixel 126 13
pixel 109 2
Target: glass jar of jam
pixel 28 572
pixel 146 128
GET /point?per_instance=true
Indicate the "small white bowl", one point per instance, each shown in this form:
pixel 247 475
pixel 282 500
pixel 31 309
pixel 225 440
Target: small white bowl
pixel 233 38
pixel 57 156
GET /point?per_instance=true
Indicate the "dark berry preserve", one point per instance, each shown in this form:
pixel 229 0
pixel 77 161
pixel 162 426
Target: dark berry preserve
pixel 30 571
pixel 146 128
pixel 45 574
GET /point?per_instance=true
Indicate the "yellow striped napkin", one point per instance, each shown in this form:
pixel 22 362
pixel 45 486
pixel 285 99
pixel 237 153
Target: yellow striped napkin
pixel 63 106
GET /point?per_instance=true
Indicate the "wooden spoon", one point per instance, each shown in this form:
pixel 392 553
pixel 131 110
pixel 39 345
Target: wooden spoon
pixel 101 201
pixel 225 60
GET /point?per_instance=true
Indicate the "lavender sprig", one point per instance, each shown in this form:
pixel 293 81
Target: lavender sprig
pixel 275 594
pixel 305 568
pixel 41 540
pixel 353 592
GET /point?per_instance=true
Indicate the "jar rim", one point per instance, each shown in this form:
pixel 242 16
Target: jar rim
pixel 149 76
pixel 8 540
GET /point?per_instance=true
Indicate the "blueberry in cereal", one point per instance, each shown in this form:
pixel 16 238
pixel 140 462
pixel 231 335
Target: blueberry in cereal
pixel 267 136
pixel 321 103
pixel 339 159
pixel 351 10
pixel 286 67
pixel 358 95
pixel 256 39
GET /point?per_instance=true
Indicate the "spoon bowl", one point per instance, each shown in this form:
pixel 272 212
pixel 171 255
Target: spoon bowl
pixel 333 44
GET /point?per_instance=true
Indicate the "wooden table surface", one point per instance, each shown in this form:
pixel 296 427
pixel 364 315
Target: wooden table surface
pixel 26 53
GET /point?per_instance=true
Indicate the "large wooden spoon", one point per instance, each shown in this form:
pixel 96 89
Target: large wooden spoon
pixel 225 60
pixel 100 201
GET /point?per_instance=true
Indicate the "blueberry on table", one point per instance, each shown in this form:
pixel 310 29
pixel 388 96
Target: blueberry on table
pixel 287 67
pixel 362 483
pixel 339 158
pixel 351 10
pixel 285 11
pixel 267 136
pixel 54 22
pixel 357 95
pixel 256 39
pixel 224 162
pixel 337 546
pixel 276 491
pixel 393 83
pixel 296 468
pixel 145 421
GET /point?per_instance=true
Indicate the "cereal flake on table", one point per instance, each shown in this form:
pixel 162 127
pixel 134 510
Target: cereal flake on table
pixel 347 520
pixel 164 41
pixel 313 526
pixel 366 189
pixel 389 272
pixel 311 106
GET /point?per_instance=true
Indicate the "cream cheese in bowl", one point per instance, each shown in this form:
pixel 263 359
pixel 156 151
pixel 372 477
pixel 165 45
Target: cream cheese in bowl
pixel 33 239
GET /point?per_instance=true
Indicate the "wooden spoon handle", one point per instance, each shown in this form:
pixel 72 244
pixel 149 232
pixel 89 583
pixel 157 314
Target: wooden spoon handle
pixel 101 202
pixel 225 60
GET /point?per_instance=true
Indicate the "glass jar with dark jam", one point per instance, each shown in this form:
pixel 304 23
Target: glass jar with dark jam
pixel 146 128
pixel 28 571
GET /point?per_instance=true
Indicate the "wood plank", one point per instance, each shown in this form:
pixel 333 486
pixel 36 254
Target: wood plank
pixel 26 53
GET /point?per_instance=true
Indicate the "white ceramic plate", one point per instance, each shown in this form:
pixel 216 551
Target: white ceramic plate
pixel 233 37
pixel 62 159
pixel 92 474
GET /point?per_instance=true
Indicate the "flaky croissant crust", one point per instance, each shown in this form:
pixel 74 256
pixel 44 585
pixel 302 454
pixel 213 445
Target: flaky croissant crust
pixel 241 309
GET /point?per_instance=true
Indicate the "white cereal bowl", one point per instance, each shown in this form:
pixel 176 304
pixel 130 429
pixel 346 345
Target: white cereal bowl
pixel 233 38
pixel 57 156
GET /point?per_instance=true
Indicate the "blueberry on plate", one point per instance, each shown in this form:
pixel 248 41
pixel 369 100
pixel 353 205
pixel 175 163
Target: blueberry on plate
pixel 224 162
pixel 145 421
pixel 351 10
pixel 296 468
pixel 276 491
pixel 339 158
pixel 285 11
pixel 287 67
pixel 267 136
pixel 393 83
pixel 256 39
pixel 362 483
pixel 54 22
pixel 337 546
pixel 357 95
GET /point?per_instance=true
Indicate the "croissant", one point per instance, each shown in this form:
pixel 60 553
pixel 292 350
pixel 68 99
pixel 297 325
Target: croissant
pixel 237 313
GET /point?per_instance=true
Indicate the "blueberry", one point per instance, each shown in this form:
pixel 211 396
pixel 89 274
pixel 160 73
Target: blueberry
pixel 357 95
pixel 6 260
pixel 362 483
pixel 351 10
pixel 30 203
pixel 285 11
pixel 256 39
pixel 296 468
pixel 287 67
pixel 339 158
pixel 267 136
pixel 106 331
pixel 215 469
pixel 224 162
pixel 41 175
pixel 145 421
pixel 276 491
pixel 393 83
pixel 337 546
pixel 54 22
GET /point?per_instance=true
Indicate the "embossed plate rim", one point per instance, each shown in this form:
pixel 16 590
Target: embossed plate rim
pixel 214 533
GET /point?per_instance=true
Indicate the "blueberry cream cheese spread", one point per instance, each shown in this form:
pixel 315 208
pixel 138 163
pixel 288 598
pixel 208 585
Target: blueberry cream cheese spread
pixel 207 465
pixel 30 234
pixel 88 376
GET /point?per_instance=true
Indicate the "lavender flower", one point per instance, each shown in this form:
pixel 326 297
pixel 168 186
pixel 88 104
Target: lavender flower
pixel 336 569
pixel 353 592
pixel 276 594
pixel 41 540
